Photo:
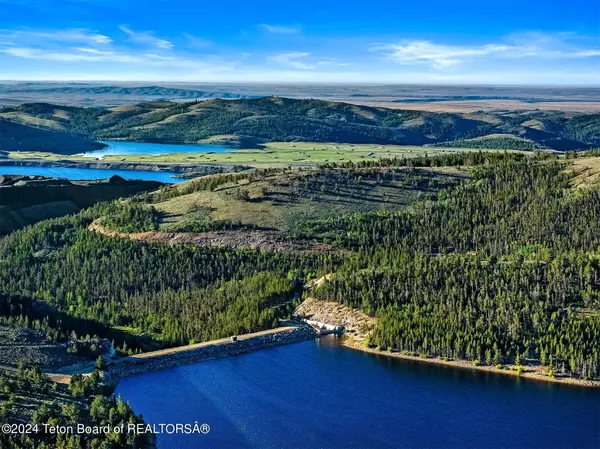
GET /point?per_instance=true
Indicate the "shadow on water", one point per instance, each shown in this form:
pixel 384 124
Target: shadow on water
pixel 181 400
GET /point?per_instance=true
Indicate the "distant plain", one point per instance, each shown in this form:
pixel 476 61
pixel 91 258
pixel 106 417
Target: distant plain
pixel 416 97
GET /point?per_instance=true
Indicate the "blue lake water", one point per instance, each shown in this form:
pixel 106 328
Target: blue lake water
pixel 153 149
pixel 319 394
pixel 119 148
pixel 88 173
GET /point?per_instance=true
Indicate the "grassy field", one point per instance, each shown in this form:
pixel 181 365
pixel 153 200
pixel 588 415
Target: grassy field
pixel 282 200
pixel 273 154
pixel 41 156
pixel 586 171
pixel 32 120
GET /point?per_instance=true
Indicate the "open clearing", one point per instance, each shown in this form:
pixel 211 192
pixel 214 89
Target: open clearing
pixel 282 200
pixel 586 170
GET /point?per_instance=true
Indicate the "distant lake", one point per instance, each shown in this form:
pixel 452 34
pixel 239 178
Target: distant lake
pixel 89 173
pixel 153 149
pixel 319 394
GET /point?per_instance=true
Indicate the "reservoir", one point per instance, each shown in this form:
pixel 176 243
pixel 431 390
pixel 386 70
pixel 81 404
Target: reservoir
pixel 153 149
pixel 321 394
pixel 88 173
pixel 119 148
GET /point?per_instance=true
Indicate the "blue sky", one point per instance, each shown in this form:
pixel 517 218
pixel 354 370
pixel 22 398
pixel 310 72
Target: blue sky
pixel 435 41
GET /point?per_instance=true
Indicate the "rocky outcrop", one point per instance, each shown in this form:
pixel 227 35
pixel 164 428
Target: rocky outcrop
pixel 20 343
pixel 238 239
pixel 356 324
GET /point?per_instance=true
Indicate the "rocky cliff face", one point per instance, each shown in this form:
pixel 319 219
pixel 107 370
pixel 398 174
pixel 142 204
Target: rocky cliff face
pixel 28 199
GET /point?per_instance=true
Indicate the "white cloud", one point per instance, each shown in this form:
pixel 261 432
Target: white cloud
pixel 146 38
pixel 81 53
pixel 84 50
pixel 86 54
pixel 293 59
pixel 78 35
pixel 437 55
pixel 280 29
pixel 440 56
pixel 93 51
pixel 587 53
pixel 91 55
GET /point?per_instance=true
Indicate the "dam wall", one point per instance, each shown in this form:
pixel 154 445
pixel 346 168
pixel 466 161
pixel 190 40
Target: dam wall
pixel 169 358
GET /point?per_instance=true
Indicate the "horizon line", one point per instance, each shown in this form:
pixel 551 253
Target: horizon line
pixel 318 83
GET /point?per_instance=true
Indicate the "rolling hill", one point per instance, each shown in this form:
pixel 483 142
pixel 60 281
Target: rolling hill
pixel 252 121
pixel 141 91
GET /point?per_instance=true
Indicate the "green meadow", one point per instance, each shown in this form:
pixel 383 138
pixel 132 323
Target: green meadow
pixel 272 154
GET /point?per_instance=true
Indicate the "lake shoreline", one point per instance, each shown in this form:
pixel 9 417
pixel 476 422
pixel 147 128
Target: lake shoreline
pixel 358 326
pixel 130 166
pixel 529 372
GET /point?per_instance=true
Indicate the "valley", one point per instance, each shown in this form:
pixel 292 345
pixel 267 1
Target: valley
pixel 443 98
pixel 271 154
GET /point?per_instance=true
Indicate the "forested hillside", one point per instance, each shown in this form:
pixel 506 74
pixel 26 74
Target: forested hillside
pixel 493 141
pixel 277 199
pixel 252 121
pixel 31 402
pixel 156 291
pixel 22 137
pixel 500 267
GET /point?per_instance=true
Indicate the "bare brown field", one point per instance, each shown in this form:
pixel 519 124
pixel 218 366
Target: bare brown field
pixel 255 240
pixel 481 105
